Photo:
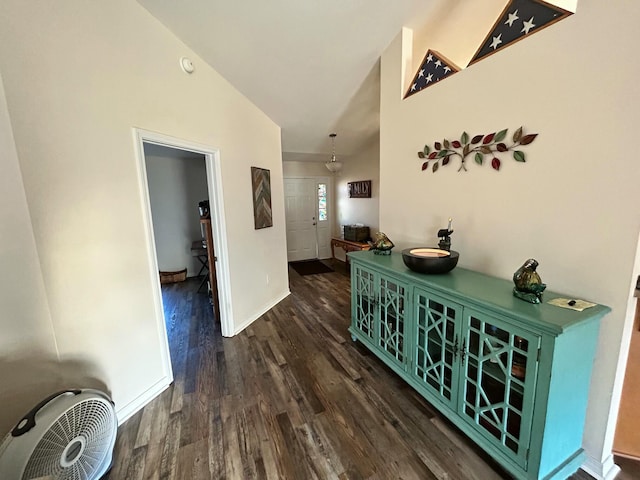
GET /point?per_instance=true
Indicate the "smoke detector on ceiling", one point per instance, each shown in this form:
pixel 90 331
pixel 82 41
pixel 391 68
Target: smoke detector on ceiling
pixel 187 65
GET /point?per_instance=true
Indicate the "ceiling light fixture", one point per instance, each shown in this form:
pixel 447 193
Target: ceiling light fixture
pixel 332 165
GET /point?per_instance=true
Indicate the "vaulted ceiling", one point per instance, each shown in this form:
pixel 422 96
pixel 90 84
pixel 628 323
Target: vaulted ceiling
pixel 312 66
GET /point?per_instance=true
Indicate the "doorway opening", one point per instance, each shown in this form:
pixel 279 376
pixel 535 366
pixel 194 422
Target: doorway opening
pixel 146 141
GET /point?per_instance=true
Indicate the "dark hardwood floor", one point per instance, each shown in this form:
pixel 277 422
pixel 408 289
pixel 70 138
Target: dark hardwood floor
pixel 291 397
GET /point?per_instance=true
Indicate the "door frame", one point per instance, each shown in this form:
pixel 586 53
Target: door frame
pixel 218 227
pixel 330 202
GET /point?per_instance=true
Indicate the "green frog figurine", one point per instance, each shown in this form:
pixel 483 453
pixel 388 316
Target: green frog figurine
pixel 528 285
pixel 381 244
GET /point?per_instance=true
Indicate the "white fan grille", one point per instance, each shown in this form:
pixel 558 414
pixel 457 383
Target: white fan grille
pixel 79 438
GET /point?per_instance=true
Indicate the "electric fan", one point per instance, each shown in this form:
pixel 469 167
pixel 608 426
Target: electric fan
pixel 70 435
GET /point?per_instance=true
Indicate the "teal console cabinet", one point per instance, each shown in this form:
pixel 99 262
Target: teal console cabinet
pixel 513 376
pixel 379 307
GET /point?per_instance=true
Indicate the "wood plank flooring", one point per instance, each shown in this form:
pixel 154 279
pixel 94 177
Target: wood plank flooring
pixel 291 397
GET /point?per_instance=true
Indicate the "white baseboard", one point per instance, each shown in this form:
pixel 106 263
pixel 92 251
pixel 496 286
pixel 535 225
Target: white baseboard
pixel 127 411
pixel 261 312
pixel 605 470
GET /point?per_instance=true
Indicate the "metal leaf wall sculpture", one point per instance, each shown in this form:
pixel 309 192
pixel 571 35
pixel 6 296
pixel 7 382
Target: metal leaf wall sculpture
pixel 481 146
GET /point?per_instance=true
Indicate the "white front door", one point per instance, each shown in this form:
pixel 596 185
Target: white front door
pixel 308 230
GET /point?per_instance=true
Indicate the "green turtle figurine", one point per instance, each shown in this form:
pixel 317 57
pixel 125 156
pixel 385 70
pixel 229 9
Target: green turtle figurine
pixel 381 244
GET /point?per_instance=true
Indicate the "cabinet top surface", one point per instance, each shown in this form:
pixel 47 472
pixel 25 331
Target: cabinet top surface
pixel 479 290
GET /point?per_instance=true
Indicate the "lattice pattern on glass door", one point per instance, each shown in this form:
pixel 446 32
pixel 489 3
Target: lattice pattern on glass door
pixel 495 371
pixel 435 344
pixel 391 303
pixel 365 302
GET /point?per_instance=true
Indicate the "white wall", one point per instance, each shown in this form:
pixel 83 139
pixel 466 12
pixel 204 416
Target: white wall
pixel 25 321
pixel 78 77
pixel 363 166
pixel 177 183
pixel 442 32
pixel 574 200
pixel 30 367
pixel 292 169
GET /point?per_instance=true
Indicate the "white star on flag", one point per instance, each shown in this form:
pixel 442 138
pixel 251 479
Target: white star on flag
pixel 413 87
pixel 421 74
pixel 496 41
pixel 527 26
pixel 429 58
pixel 446 69
pixel 429 77
pixel 512 18
pixel 438 63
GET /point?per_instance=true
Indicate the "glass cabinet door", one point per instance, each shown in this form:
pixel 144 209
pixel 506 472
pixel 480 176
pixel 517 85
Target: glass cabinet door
pixel 391 309
pixel 364 298
pixel 499 368
pixel 436 345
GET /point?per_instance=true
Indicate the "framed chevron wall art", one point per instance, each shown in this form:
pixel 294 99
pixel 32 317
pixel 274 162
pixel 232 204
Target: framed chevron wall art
pixel 261 186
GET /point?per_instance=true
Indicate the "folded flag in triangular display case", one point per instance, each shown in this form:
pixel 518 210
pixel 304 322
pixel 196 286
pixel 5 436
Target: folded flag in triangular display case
pixel 433 68
pixel 519 19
